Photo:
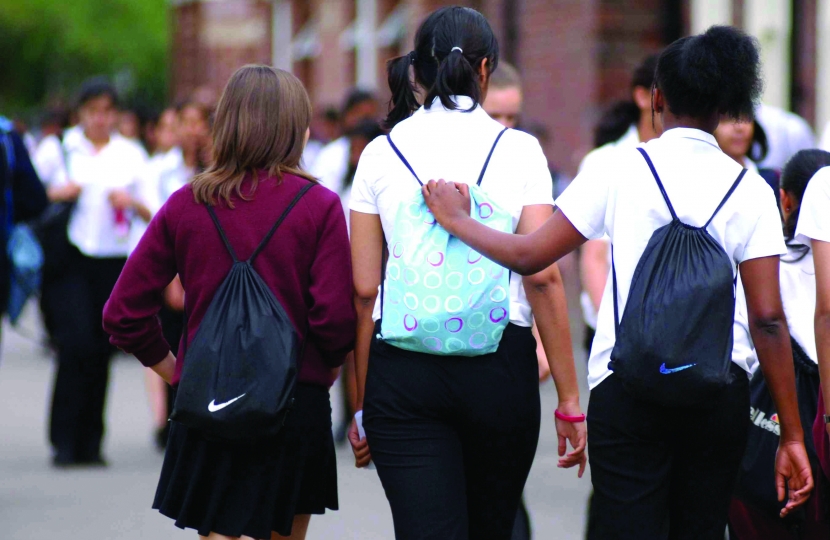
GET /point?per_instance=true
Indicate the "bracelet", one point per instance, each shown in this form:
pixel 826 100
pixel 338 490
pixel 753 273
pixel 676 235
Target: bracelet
pixel 566 418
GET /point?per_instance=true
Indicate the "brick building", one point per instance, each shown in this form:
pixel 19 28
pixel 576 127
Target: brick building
pixel 575 56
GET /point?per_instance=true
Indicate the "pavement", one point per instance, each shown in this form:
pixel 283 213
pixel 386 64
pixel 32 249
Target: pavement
pixel 38 501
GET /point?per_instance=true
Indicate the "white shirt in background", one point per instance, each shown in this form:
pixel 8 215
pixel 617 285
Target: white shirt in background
pixel 330 168
pixel 50 161
pixel 624 202
pixel 814 215
pixel 604 156
pixel 825 139
pixel 119 165
pixel 453 145
pixel 787 133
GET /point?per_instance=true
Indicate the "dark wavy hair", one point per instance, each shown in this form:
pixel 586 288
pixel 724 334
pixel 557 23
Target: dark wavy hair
pixel 618 118
pixel 717 72
pixel 794 179
pixel 440 68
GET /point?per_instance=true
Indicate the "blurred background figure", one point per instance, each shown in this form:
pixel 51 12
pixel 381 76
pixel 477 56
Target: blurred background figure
pixel 104 173
pixel 504 96
pixel 787 133
pixel 325 127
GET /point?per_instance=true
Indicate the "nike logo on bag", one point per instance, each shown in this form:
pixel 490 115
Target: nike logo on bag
pixel 666 371
pixel 213 407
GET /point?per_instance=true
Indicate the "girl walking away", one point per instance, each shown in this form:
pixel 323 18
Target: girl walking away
pixel 255 486
pixel 753 513
pixel 814 230
pixel 451 408
pixel 668 410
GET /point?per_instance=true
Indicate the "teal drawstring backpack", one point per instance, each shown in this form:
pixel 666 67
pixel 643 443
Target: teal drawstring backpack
pixel 439 296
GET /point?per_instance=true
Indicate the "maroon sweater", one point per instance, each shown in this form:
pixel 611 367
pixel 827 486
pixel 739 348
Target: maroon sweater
pixel 307 265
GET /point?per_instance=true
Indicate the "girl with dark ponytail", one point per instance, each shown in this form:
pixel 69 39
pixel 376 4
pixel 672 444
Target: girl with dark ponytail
pixel 453 434
pixel 665 467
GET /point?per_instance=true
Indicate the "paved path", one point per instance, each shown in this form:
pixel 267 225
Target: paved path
pixel 38 502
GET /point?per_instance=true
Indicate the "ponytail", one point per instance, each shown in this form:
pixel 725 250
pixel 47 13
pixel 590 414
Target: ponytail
pixel 456 77
pixel 403 102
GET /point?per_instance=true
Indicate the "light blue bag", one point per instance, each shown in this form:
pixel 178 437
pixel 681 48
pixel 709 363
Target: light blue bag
pixel 440 296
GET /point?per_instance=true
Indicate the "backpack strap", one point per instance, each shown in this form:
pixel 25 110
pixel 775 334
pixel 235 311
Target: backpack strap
pixel 487 162
pixel 221 232
pixel 659 183
pixel 616 302
pixel 285 213
pixel 405 162
pixel 726 198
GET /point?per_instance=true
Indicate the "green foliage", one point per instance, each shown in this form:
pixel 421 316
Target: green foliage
pixel 47 47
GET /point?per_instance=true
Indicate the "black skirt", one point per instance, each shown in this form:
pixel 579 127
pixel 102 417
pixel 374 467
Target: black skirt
pixel 251 489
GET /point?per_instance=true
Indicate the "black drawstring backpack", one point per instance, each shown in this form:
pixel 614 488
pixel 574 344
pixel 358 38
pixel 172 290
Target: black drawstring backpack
pixel 756 482
pixel 674 342
pixel 240 370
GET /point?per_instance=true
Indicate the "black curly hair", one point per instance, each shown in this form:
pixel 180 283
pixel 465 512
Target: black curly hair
pixel 794 179
pixel 440 68
pixel 717 72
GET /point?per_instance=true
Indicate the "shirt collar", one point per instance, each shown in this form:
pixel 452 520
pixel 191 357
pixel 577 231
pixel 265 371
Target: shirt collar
pixel 464 103
pixel 690 133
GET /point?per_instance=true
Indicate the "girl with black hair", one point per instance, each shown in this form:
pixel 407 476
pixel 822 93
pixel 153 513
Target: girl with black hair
pixel 667 471
pixel 748 518
pixel 453 437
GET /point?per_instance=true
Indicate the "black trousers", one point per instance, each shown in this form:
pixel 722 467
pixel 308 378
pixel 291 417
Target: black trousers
pixel 76 305
pixel 662 472
pixel 454 438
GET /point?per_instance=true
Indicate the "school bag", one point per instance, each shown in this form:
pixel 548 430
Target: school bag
pixel 23 252
pixel 756 480
pixel 239 373
pixel 440 296
pixel 674 341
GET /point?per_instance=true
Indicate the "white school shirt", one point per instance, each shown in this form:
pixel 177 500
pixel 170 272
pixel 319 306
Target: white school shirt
pixel 625 203
pixel 814 215
pixel 604 157
pixel 787 133
pixel 453 145
pixel 798 294
pixel 330 167
pixel 118 165
pixel 49 161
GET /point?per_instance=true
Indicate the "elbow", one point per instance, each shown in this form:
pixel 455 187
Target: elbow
pixel 823 322
pixel 542 283
pixel 364 299
pixel 770 324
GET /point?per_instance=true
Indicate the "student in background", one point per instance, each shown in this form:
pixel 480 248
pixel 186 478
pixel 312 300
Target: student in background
pixel 624 126
pixel 269 487
pixel 105 171
pixel 787 133
pixel 667 472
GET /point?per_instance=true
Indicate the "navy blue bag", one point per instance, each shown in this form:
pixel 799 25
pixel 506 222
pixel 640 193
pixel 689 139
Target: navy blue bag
pixel 674 341
pixel 241 368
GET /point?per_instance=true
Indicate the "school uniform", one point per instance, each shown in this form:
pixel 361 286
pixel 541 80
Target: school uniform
pixel 247 488
pixel 665 472
pixel 453 437
pixel 99 238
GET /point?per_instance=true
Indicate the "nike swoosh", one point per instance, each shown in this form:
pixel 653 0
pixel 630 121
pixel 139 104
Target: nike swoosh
pixel 666 371
pixel 213 407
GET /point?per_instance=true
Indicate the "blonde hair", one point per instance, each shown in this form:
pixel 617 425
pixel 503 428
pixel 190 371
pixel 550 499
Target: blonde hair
pixel 260 123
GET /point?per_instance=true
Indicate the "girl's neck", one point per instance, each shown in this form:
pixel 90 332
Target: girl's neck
pixel 645 128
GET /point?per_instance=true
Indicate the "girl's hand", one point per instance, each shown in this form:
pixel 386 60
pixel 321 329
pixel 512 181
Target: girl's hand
pixel 794 474
pixel 121 200
pixel 577 434
pixel 449 202
pixel 360 447
pixel 65 193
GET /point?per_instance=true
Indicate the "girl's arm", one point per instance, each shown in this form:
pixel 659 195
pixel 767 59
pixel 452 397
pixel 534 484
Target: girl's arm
pixel 367 249
pixel 768 327
pixel 593 269
pixel 546 295
pixel 821 256
pixel 525 255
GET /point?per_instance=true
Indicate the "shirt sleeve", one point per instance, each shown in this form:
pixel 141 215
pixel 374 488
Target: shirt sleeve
pixel 131 314
pixel 585 201
pixel 767 238
pixel 369 170
pixel 813 217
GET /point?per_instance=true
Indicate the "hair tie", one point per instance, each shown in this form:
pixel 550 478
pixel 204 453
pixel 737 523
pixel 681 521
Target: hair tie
pixel 413 56
pixel 459 49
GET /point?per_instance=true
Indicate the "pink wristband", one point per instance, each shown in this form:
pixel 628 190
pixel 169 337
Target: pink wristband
pixel 566 418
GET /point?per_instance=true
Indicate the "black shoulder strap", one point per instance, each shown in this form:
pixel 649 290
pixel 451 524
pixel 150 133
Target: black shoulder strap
pixel 487 162
pixel 405 162
pixel 659 183
pixel 291 206
pixel 616 302
pixel 726 198
pixel 221 233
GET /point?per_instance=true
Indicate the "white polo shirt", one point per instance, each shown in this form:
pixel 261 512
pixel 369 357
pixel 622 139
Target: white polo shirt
pixel 621 199
pixel 453 145
pixel 814 215
pixel 49 161
pixel 118 165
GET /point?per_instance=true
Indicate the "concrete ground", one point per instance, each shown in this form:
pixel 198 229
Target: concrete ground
pixel 39 502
